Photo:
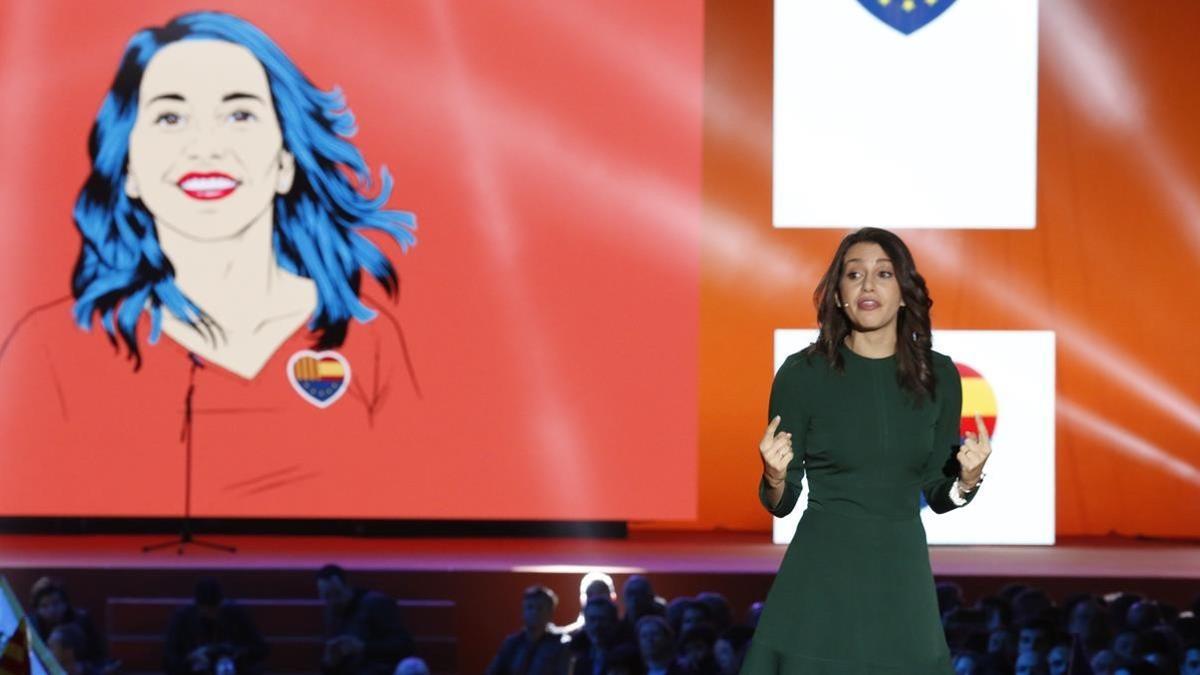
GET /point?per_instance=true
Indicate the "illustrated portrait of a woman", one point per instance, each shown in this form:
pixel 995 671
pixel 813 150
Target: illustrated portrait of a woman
pixel 221 286
pixel 871 414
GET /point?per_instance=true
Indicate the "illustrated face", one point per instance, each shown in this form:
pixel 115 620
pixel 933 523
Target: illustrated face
pixel 868 287
pixel 206 151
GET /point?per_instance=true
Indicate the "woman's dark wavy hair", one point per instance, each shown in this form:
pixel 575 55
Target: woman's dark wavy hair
pixel 914 346
pixel 122 271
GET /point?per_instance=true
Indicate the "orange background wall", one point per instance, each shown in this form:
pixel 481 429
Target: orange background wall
pixel 1111 267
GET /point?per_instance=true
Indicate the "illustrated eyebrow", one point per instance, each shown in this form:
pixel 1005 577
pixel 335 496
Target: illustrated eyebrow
pixel 168 97
pixel 233 96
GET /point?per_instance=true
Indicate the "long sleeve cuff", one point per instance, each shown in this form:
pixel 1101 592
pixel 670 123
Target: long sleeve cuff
pixel 956 495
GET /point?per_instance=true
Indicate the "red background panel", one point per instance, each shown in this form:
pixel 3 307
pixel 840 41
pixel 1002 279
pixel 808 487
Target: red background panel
pixel 552 156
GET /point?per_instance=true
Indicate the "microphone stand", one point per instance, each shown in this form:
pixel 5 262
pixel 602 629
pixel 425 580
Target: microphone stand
pixel 185 531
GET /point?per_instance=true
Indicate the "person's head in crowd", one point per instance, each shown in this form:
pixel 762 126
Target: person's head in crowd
pixel 1059 659
pixel 719 612
pixel 656 641
pixel 1009 592
pixel 208 598
pixel 1080 614
pixel 412 665
pixel 596 585
pixel 537 608
pixel 1035 636
pixel 1003 643
pixel 966 628
pixel 600 621
pixel 67 643
pixel 1103 662
pixel 1031 604
pixel 675 610
pixel 696 649
pixel 998 612
pixel 1030 663
pixel 1143 615
pixel 949 597
pixel 49 600
pixel 695 613
pixel 1128 645
pixel 333 587
pixel 639 598
pixel 1191 660
pixel 754 614
pixel 1118 608
pixel 730 649
pixel 968 663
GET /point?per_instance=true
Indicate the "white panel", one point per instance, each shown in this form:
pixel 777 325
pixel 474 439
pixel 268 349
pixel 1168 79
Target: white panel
pixel 935 129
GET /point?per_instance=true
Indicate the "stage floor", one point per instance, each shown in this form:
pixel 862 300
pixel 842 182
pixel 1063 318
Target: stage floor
pixel 644 552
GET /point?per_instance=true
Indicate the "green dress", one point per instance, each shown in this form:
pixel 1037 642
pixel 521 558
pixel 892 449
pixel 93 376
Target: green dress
pixel 854 594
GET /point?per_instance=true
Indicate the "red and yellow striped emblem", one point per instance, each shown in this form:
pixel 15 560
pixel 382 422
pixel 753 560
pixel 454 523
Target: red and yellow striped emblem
pixel 978 397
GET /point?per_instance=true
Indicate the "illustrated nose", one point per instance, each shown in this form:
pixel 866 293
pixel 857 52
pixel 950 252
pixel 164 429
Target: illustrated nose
pixel 204 145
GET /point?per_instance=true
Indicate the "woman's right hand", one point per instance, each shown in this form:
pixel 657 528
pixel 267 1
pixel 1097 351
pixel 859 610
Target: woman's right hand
pixel 776 451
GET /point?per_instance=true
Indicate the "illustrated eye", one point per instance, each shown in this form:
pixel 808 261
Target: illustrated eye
pixel 242 116
pixel 168 119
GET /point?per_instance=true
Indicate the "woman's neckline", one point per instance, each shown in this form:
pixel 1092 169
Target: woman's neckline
pixel 869 359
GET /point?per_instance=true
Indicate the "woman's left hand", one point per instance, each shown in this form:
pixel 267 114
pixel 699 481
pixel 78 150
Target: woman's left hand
pixel 973 455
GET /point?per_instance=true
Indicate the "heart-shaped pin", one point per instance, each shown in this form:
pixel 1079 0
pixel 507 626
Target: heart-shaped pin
pixel 906 16
pixel 319 377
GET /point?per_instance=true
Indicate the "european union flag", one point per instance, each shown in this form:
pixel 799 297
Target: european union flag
pixel 906 16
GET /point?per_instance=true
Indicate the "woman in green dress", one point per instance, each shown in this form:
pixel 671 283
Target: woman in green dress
pixel 871 413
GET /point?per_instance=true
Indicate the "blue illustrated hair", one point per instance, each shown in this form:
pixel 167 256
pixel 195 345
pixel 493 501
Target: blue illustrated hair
pixel 122 272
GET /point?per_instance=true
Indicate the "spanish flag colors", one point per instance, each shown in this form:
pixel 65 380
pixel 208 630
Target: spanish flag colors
pixel 978 397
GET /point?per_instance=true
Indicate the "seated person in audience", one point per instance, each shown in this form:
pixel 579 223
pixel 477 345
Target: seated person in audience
pixel 1030 663
pixel 1103 662
pixel 1036 636
pixel 1143 615
pixel 52 608
pixel 1059 658
pixel 212 635
pixel 600 642
pixel 413 665
pixel 594 584
pixel 1191 661
pixel 66 643
pixel 640 600
pixel 730 649
pixel 1128 645
pixel 695 613
pixel 719 613
pixel 363 631
pixel 656 643
pixel 536 649
pixel 969 663
pixel 696 650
